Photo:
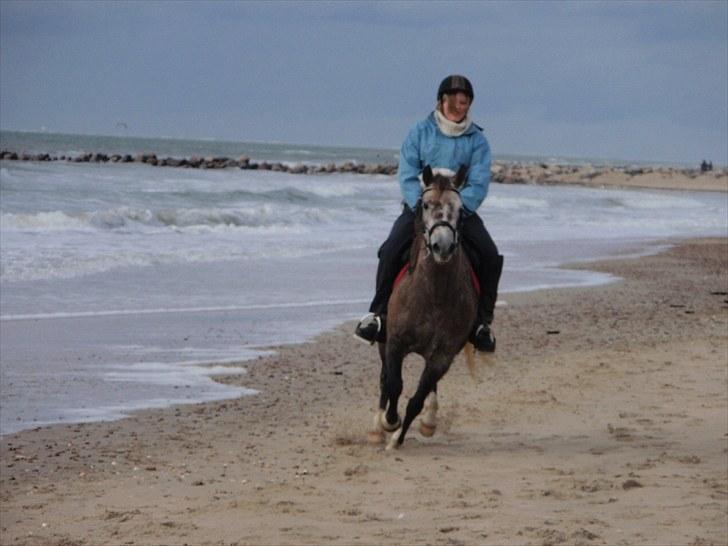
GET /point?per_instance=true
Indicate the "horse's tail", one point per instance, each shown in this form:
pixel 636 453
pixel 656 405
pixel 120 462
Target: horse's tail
pixel 469 351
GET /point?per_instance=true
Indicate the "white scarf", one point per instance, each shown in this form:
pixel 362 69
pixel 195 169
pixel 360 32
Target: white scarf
pixel 450 128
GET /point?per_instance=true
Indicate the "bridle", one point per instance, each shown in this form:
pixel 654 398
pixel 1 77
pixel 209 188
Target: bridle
pixel 442 223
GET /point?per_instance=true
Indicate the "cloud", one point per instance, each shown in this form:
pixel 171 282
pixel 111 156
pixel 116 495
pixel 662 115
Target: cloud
pixel 596 76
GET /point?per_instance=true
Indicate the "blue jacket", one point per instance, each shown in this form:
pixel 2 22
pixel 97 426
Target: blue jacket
pixel 427 145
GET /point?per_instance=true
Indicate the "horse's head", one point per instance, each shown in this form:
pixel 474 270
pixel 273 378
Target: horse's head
pixel 441 210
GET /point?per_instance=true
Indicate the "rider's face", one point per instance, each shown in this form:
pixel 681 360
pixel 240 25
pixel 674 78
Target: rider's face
pixel 455 107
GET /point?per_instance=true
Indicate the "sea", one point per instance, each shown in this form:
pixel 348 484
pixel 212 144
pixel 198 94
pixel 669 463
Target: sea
pixel 128 286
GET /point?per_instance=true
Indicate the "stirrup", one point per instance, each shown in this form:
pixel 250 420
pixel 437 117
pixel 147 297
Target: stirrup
pixel 483 339
pixel 369 333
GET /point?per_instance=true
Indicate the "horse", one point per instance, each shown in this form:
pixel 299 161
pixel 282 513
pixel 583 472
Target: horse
pixel 431 310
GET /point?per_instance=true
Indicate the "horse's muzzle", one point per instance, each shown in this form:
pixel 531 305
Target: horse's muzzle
pixel 442 240
pixel 442 248
pixel 443 257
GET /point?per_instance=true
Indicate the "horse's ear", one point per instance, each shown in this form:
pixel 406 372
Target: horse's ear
pixel 427 176
pixel 461 176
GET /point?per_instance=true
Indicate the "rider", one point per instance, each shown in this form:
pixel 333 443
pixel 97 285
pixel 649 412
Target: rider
pixel 447 138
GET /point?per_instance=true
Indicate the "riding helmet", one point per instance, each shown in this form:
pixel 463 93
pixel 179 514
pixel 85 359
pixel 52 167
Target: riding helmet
pixel 453 84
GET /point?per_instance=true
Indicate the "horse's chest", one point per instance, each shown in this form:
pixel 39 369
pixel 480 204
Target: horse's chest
pixel 432 314
pixel 440 330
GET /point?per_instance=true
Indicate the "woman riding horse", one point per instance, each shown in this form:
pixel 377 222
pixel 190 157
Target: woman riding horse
pixel 449 139
pixel 431 309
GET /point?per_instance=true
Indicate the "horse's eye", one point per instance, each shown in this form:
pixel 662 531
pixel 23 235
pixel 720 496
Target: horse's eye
pixel 425 206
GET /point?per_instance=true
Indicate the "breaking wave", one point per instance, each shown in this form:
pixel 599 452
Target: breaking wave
pixel 129 218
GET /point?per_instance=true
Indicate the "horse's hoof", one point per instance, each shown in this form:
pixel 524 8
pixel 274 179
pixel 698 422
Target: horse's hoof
pixel 389 427
pixel 427 430
pixel 375 437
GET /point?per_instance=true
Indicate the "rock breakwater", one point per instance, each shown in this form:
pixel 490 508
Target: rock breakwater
pixel 501 172
pixel 194 162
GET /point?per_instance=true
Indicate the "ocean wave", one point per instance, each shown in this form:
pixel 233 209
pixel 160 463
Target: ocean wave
pixel 89 258
pixel 313 193
pixel 130 218
pixel 43 222
pixel 517 203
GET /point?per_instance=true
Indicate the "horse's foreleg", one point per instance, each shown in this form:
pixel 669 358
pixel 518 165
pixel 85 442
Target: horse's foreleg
pixel 392 387
pixel 381 422
pixel 428 423
pixel 376 433
pixel 430 376
pixel 382 377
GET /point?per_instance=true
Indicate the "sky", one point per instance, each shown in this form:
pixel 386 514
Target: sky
pixel 614 80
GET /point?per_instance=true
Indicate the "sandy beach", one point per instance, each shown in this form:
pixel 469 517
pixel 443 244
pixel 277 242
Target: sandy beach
pixel 602 419
pixel 650 177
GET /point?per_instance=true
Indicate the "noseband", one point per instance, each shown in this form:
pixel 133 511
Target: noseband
pixel 442 223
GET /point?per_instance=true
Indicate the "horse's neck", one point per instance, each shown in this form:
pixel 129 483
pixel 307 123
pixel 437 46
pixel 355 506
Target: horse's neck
pixel 440 279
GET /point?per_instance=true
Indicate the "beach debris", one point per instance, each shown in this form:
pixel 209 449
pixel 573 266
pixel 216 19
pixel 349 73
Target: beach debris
pixel 585 533
pixel 357 470
pixel 631 484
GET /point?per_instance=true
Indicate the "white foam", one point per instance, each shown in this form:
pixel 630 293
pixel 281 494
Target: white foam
pixel 54 221
pixel 517 203
pixel 178 310
pixel 170 374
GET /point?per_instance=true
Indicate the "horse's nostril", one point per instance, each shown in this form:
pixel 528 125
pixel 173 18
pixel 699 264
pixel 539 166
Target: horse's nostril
pixel 452 248
pixel 436 247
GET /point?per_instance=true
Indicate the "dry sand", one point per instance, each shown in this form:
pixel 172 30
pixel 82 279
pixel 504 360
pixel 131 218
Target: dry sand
pixel 668 178
pixel 603 419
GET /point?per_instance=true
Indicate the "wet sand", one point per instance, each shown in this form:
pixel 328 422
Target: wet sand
pixel 602 419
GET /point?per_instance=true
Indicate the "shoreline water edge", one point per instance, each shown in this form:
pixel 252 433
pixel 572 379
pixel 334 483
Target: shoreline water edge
pixel 95 254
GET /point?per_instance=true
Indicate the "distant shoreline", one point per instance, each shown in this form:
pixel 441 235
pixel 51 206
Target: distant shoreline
pixel 504 172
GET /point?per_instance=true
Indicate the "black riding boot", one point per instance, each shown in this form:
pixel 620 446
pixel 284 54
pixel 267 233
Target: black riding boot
pixel 482 335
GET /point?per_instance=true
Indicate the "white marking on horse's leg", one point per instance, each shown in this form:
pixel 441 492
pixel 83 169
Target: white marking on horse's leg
pixel 378 416
pixel 376 434
pixel 469 352
pixel 385 425
pixel 428 422
pixel 394 441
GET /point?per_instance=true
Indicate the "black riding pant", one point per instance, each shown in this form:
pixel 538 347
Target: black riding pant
pixel 477 242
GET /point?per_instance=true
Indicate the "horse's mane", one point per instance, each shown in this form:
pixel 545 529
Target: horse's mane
pixel 441 183
pixel 415 247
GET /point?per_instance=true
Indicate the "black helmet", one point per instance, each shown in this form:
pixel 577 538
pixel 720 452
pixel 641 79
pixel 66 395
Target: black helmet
pixel 453 84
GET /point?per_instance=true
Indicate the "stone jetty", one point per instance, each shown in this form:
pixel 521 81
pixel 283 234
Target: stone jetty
pixel 194 162
pixel 501 172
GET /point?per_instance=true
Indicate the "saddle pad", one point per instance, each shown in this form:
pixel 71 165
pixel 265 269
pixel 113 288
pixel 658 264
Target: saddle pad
pixel 473 278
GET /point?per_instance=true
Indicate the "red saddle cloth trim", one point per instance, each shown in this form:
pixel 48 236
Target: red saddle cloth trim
pixel 473 278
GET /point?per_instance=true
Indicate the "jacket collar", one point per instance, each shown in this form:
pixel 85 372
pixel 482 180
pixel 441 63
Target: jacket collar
pixel 474 127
